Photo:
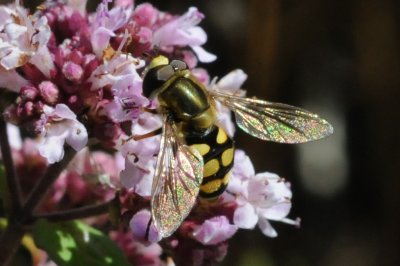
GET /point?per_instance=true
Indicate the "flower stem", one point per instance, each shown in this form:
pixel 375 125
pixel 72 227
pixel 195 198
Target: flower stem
pixel 9 243
pixel 11 238
pixel 78 213
pixel 11 177
pixel 39 191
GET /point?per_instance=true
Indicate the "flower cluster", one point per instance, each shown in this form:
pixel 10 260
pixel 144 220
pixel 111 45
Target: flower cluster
pixel 78 82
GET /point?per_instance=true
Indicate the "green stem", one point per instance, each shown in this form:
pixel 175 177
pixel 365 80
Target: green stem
pixel 39 191
pixel 11 238
pixel 10 241
pixel 14 189
pixel 78 213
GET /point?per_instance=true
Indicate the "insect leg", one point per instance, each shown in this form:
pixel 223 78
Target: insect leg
pixel 151 111
pixel 143 136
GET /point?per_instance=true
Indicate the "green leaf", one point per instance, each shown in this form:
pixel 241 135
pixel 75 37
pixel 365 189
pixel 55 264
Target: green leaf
pixel 76 243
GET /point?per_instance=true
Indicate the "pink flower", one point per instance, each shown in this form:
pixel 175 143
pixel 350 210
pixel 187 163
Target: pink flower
pixel 260 198
pixel 142 227
pixel 105 23
pixel 24 39
pixel 183 31
pixel 126 86
pixel 214 231
pixel 141 155
pixel 49 92
pixel 145 15
pixel 120 73
pixel 61 126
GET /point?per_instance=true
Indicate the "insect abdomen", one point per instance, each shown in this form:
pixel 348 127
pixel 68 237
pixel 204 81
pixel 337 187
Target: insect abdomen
pixel 217 150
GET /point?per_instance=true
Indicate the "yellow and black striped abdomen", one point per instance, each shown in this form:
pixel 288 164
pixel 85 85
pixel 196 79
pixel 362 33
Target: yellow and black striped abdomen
pixel 217 150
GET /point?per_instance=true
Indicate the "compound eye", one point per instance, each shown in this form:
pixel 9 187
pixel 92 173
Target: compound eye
pixel 178 65
pixel 152 81
pixel 165 72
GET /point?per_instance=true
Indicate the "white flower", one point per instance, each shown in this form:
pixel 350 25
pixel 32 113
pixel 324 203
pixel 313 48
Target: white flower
pixel 229 84
pixel 260 198
pixel 60 126
pixel 23 39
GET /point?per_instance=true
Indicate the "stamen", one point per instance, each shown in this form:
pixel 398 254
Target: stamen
pixel 296 222
pixel 123 42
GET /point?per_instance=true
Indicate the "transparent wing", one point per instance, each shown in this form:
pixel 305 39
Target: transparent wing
pixel 178 175
pixel 275 121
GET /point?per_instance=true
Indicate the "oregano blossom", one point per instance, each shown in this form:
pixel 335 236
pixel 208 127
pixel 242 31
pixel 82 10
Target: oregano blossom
pixel 77 80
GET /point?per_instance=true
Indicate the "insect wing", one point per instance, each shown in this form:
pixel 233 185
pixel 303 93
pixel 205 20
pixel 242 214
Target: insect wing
pixel 178 175
pixel 275 121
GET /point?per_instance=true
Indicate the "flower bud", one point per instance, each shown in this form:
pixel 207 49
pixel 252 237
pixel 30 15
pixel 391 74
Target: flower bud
pixel 49 92
pixel 29 108
pixel 28 93
pixel 72 71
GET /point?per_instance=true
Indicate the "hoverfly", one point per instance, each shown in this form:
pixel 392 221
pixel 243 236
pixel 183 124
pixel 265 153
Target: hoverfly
pixel 196 155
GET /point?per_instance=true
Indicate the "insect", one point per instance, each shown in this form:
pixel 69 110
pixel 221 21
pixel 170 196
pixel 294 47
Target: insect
pixel 196 155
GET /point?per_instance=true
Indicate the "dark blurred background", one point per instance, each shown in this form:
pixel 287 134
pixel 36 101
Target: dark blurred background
pixel 340 59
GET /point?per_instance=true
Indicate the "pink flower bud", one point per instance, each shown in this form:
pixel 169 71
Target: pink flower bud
pixel 75 103
pixel 72 71
pixel 49 92
pixel 28 108
pixel 28 93
pixel 145 14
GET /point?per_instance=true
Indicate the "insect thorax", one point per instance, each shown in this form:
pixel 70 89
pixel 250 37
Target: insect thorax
pixel 188 102
pixel 217 150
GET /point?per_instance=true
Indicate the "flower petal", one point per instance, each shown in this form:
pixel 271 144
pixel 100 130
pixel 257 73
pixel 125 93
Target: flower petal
pixel 267 228
pixel 214 231
pixel 203 55
pixel 142 228
pixel 78 136
pixel 12 80
pixel 245 217
pixel 52 148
